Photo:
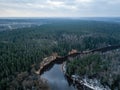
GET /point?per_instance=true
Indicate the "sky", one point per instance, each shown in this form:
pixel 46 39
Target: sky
pixel 59 8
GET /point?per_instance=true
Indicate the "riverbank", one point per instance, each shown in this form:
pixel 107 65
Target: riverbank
pixel 91 84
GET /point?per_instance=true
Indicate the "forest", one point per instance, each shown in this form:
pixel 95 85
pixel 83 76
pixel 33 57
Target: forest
pixel 101 66
pixel 22 48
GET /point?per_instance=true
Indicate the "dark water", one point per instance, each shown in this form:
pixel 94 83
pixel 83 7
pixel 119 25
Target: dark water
pixel 56 79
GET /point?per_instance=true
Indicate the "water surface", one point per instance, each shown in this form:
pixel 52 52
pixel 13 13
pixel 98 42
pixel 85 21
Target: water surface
pixel 56 79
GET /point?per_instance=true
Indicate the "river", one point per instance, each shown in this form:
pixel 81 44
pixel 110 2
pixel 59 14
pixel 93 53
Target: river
pixel 56 78
pixel 52 71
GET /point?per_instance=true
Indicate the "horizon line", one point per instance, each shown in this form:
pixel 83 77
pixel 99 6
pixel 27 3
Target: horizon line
pixel 59 17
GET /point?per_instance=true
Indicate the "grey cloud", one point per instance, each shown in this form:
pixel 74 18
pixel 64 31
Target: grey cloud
pixel 60 7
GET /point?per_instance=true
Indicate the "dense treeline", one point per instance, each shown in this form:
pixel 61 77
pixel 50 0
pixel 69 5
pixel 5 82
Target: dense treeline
pixel 21 48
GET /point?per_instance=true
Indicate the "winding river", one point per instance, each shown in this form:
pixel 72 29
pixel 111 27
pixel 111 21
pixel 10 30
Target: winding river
pixel 53 73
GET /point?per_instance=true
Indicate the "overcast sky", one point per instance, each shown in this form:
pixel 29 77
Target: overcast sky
pixel 59 8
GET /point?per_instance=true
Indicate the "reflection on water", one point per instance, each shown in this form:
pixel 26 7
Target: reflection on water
pixel 56 79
